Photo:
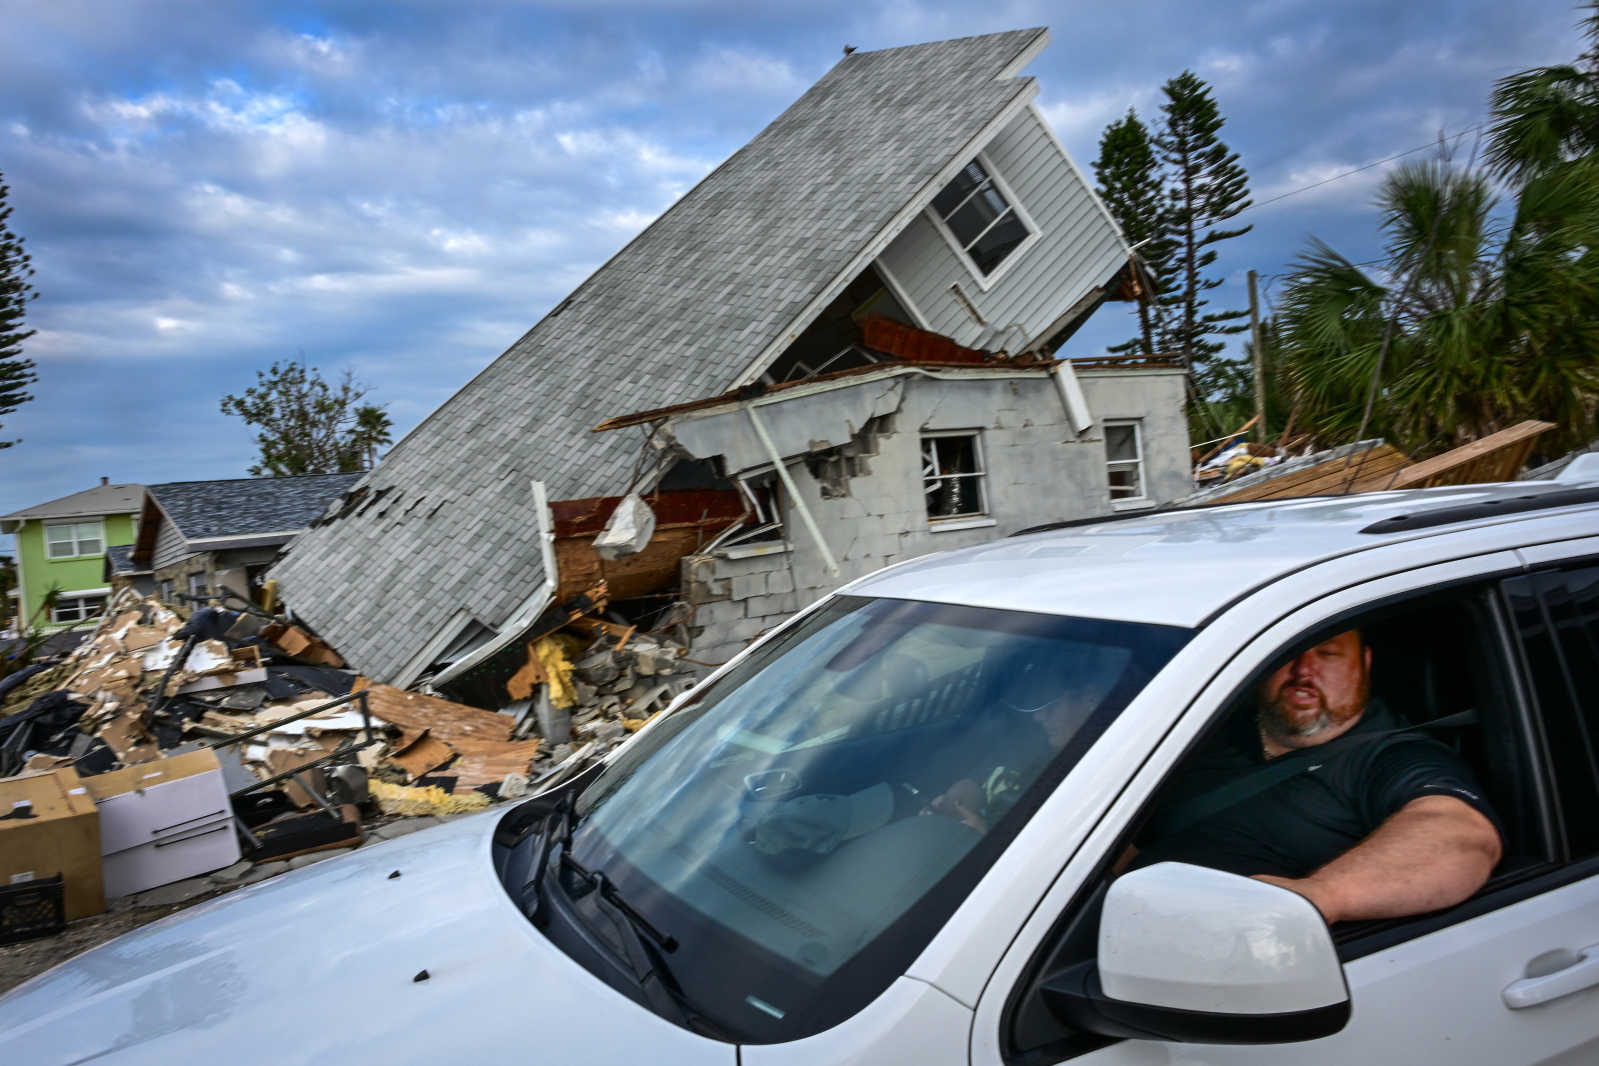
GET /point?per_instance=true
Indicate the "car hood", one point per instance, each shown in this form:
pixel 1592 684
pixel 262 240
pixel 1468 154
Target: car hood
pixel 327 964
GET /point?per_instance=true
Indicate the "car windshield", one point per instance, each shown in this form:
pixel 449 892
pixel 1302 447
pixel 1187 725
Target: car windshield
pixel 808 821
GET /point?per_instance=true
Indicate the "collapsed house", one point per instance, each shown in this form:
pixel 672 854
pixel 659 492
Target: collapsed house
pixel 860 310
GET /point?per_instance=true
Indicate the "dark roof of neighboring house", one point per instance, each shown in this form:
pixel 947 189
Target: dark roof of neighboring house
pixel 710 292
pixel 244 506
pixel 100 500
pixel 119 561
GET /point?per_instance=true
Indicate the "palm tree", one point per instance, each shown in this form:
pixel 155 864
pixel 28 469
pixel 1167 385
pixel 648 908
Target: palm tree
pixel 1547 116
pixel 1480 322
pixel 372 431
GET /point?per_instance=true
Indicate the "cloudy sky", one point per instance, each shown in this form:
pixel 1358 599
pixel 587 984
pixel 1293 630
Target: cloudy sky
pixel 401 189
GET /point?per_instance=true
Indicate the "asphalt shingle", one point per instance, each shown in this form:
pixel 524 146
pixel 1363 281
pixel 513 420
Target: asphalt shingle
pixel 677 314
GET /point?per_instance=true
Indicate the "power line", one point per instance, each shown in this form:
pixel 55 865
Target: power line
pixel 1345 174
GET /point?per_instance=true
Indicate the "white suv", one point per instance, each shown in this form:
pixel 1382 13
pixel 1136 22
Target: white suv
pixel 882 834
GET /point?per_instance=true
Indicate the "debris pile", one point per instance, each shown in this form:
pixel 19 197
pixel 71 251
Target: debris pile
pixel 305 757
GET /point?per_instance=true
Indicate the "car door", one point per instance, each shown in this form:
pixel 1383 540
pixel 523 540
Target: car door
pixel 1507 977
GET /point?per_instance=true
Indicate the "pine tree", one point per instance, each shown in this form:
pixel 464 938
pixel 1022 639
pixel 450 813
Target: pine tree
pixel 1205 186
pixel 1129 177
pixel 16 373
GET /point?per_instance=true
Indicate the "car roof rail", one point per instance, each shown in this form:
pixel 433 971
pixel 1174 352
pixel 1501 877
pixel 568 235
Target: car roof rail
pixel 1491 508
pixel 1162 510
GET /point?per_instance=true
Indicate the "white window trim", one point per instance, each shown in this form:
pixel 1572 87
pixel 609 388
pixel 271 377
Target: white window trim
pixel 1142 500
pixel 75 553
pixel 79 596
pixel 949 525
pixel 981 476
pixel 987 281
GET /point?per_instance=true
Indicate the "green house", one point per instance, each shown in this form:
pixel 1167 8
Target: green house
pixel 61 545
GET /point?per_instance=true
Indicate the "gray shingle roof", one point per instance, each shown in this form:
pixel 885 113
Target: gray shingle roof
pixel 119 560
pixel 242 506
pixel 679 313
pixel 100 500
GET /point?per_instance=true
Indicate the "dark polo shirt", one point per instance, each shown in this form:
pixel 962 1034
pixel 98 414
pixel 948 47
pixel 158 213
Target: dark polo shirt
pixel 1293 827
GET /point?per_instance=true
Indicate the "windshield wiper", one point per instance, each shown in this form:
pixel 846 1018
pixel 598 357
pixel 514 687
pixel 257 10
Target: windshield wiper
pixel 645 951
pixel 607 891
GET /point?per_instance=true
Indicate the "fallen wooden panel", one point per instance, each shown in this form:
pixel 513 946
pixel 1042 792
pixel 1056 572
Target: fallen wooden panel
pixel 1369 470
pixel 483 763
pixel 1496 457
pixel 446 721
pixel 280 760
pixel 421 755
pixel 684 522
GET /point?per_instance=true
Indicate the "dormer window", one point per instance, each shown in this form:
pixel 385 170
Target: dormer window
pixel 980 218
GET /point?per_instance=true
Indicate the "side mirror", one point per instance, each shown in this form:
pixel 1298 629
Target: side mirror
pixel 1199 956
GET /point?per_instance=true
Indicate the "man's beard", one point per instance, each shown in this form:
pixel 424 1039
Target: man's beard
pixel 1277 723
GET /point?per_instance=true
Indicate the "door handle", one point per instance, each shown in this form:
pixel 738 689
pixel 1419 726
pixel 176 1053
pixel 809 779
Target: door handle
pixel 1583 972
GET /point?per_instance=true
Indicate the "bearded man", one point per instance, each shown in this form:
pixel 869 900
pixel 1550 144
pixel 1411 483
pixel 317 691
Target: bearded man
pixel 1325 793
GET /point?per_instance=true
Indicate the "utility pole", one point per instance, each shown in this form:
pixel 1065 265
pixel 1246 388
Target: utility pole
pixel 1260 360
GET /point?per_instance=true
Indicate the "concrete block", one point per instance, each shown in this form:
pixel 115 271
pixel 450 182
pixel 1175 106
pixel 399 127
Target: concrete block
pixel 264 871
pixel 231 874
pixel 771 608
pixel 779 582
pixel 711 615
pixel 747 585
pixel 748 629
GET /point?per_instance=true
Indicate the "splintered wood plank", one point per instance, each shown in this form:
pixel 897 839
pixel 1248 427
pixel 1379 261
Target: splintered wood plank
pixel 420 754
pixel 445 720
pixel 1496 457
pixel 1372 466
pixel 484 762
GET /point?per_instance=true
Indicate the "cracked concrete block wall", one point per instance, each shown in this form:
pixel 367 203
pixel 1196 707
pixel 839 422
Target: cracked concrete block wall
pixel 1036 470
pixel 1156 400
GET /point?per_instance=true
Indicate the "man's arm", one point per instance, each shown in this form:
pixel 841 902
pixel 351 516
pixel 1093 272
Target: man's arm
pixel 1433 852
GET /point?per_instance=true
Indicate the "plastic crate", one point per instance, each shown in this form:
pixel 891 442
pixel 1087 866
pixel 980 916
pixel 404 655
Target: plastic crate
pixel 32 909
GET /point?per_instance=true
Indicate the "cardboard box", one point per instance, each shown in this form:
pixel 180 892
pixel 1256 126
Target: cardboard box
pixel 61 837
pixel 163 821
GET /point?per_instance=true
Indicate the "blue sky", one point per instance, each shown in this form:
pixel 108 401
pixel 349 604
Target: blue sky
pixel 401 189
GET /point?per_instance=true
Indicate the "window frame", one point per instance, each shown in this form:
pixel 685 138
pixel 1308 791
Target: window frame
pixel 1359 939
pixel 1141 497
pixel 985 281
pixel 966 519
pixel 81 600
pixel 76 541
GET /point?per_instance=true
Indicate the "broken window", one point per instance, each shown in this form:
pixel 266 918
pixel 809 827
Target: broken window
pixel 952 475
pixel 1124 458
pixel 978 216
pixel 76 608
pixel 764 524
pixel 66 539
pixel 197 587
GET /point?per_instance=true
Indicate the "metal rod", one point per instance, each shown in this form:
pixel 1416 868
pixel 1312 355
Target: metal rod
pixel 793 493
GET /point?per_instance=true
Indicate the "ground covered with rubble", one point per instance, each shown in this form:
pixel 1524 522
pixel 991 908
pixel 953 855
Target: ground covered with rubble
pixel 317 759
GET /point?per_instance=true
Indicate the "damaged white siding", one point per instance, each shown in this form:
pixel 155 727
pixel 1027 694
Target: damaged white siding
pixel 1077 249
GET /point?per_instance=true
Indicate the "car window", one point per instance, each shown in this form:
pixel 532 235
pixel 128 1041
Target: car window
pixel 813 818
pixel 1439 717
pixel 1557 616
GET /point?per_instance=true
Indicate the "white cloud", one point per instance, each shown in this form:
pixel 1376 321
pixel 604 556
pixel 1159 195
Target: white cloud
pixel 628 220
pixel 737 70
pixel 1078 121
